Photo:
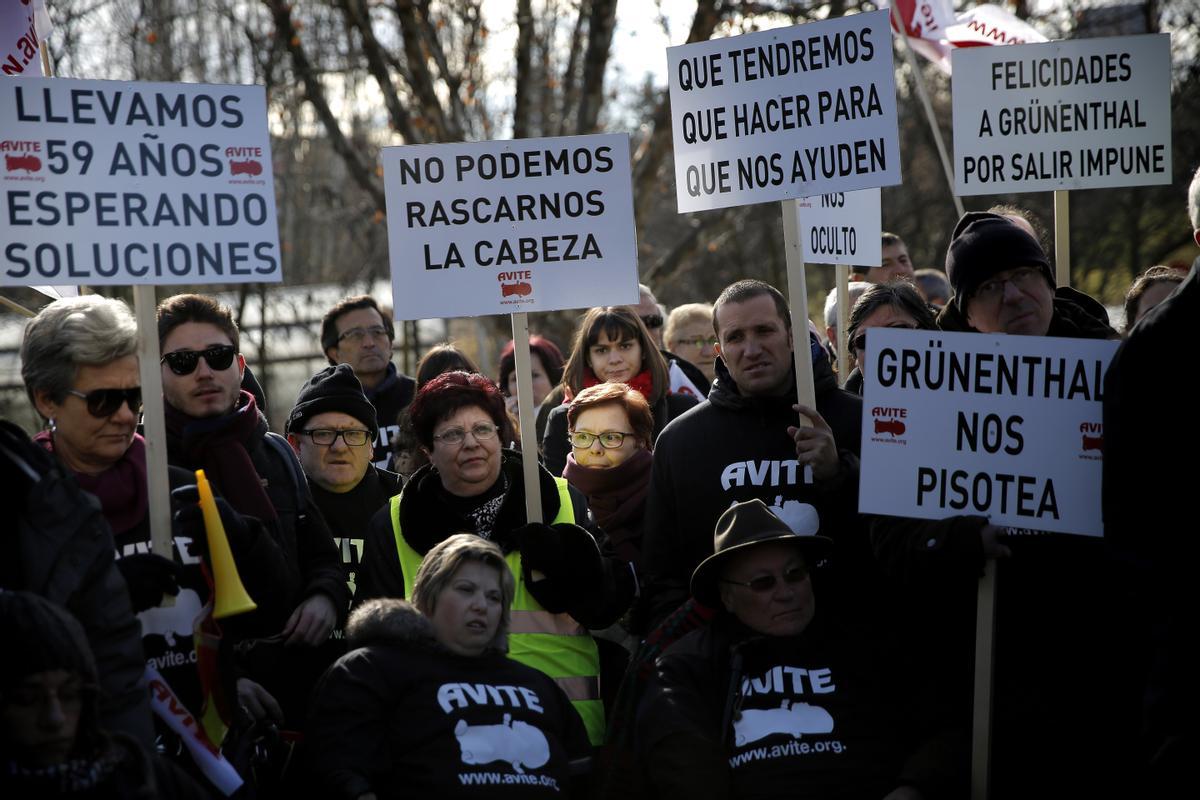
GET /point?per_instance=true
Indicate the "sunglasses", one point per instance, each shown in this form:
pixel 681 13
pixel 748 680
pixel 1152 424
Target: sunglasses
pixel 103 403
pixel 652 321
pixel 765 583
pixel 183 362
pixel 860 342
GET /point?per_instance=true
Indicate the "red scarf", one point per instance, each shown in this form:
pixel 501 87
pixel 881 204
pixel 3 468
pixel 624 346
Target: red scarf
pixel 121 489
pixel 642 382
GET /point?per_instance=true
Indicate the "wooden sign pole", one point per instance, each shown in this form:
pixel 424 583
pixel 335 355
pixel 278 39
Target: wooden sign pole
pixel 798 302
pixel 154 426
pixel 529 443
pixel 843 323
pixel 1062 237
pixel 981 738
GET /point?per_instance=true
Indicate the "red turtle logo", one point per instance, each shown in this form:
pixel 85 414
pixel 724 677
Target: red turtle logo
pixel 888 420
pixel 521 288
pixel 27 163
pixel 247 167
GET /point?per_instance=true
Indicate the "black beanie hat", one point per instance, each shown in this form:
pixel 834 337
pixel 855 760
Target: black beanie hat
pixel 984 244
pixel 332 389
pixel 38 637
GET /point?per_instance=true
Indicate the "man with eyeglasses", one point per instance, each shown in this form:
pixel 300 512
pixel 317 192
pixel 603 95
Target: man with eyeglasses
pixel 331 428
pixel 357 332
pixel 686 377
pixel 778 696
pixel 215 425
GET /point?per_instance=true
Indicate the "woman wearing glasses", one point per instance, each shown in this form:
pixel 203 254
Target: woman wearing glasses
pixel 883 305
pixel 472 484
pixel 610 430
pixel 612 345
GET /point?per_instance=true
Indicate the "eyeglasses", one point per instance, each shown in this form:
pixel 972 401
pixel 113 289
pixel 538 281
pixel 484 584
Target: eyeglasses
pixel 609 440
pixel 992 291
pixel 700 342
pixel 456 436
pixel 183 362
pixel 860 342
pixel 103 403
pixel 353 437
pixel 358 334
pixel 765 583
pixel 652 321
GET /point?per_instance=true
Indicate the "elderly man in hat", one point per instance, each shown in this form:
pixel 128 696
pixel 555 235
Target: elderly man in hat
pixel 772 700
pixel 332 427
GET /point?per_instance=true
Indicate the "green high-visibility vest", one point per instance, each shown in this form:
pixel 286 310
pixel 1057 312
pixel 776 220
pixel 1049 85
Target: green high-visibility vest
pixel 554 643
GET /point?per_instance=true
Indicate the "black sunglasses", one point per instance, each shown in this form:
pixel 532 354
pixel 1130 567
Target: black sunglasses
pixel 765 583
pixel 652 321
pixel 183 362
pixel 103 403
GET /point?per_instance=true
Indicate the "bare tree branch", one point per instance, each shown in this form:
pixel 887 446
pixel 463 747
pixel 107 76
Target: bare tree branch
pixel 452 80
pixel 524 66
pixel 420 78
pixel 570 79
pixel 358 17
pixel 601 23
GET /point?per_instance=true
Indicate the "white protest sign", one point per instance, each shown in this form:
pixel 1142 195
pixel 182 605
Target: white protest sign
pixel 1007 427
pixel 842 228
pixel 785 113
pixel 510 226
pixel 1081 114
pixel 108 182
pixel 23 23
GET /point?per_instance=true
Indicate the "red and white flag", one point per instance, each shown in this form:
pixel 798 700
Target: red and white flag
pixel 934 29
pixel 23 25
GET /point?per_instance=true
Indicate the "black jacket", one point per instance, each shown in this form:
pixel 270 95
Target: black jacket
pixel 831 713
pixel 403 717
pixel 730 449
pixel 427 518
pixel 349 514
pixel 57 544
pixel 390 397
pixel 555 446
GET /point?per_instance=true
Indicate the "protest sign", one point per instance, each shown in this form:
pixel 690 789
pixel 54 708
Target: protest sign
pixel 118 183
pixel 23 26
pixel 842 228
pixel 511 226
pixel 1081 114
pixel 785 113
pixel 1007 427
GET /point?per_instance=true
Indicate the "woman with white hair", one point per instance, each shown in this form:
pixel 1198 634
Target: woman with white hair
pixel 426 703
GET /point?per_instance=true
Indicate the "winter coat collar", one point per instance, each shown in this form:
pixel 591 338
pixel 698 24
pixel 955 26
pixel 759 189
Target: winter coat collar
pixel 1076 316
pixel 725 393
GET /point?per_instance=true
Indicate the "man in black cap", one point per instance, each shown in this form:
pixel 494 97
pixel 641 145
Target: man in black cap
pixel 1003 284
pixel 332 427
pixel 772 700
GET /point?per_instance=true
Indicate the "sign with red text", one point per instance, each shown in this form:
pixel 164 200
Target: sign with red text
pixel 842 228
pixel 23 25
pixel 1005 427
pixel 510 226
pixel 1081 114
pixel 785 113
pixel 118 183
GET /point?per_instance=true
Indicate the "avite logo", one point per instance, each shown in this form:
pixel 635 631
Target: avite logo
pixel 516 283
pixel 1093 436
pixel 29 163
pixel 244 160
pixel 890 420
pixel 247 167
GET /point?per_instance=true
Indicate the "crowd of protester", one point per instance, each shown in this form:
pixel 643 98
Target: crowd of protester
pixel 414 634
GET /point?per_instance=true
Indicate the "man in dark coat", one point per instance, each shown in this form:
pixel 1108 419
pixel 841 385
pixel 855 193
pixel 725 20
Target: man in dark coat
pixel 744 442
pixel 332 427
pixel 212 423
pixel 357 332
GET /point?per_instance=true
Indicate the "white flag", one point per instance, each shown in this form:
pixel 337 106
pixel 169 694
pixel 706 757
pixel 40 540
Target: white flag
pixel 23 25
pixel 680 384
pixel 934 30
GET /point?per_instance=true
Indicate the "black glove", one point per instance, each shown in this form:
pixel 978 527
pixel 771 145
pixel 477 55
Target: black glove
pixel 190 520
pixel 149 577
pixel 565 556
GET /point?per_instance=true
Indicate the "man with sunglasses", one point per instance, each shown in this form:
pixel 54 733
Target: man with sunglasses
pixel 653 316
pixel 214 425
pixel 772 699
pixel 331 428
pixel 357 332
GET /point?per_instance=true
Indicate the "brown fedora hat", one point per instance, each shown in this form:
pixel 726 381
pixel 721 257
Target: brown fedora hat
pixel 745 525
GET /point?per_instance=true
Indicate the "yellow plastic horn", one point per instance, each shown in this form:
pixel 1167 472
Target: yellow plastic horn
pixel 231 595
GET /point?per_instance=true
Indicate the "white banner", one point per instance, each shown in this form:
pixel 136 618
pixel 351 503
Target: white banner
pixel 23 25
pixel 785 113
pixel 842 228
pixel 934 30
pixel 510 226
pixel 1081 114
pixel 117 183
pixel 1006 427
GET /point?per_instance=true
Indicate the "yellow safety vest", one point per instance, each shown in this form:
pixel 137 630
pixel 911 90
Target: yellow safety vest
pixel 553 643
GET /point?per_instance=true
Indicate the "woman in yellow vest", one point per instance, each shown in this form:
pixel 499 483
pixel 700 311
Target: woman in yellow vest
pixel 473 484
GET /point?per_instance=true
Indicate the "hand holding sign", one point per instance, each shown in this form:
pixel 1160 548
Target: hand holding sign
pixel 815 445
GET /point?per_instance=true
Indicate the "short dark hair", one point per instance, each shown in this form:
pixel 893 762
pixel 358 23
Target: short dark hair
pixel 616 322
pixel 181 308
pixel 546 350
pixel 449 392
pixel 440 358
pixel 748 289
pixel 618 394
pixel 933 283
pixel 329 331
pixel 1151 277
pixel 887 239
pixel 900 295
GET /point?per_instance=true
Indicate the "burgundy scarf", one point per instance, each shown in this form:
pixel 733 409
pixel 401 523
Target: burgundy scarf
pixel 617 497
pixel 121 488
pixel 218 445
